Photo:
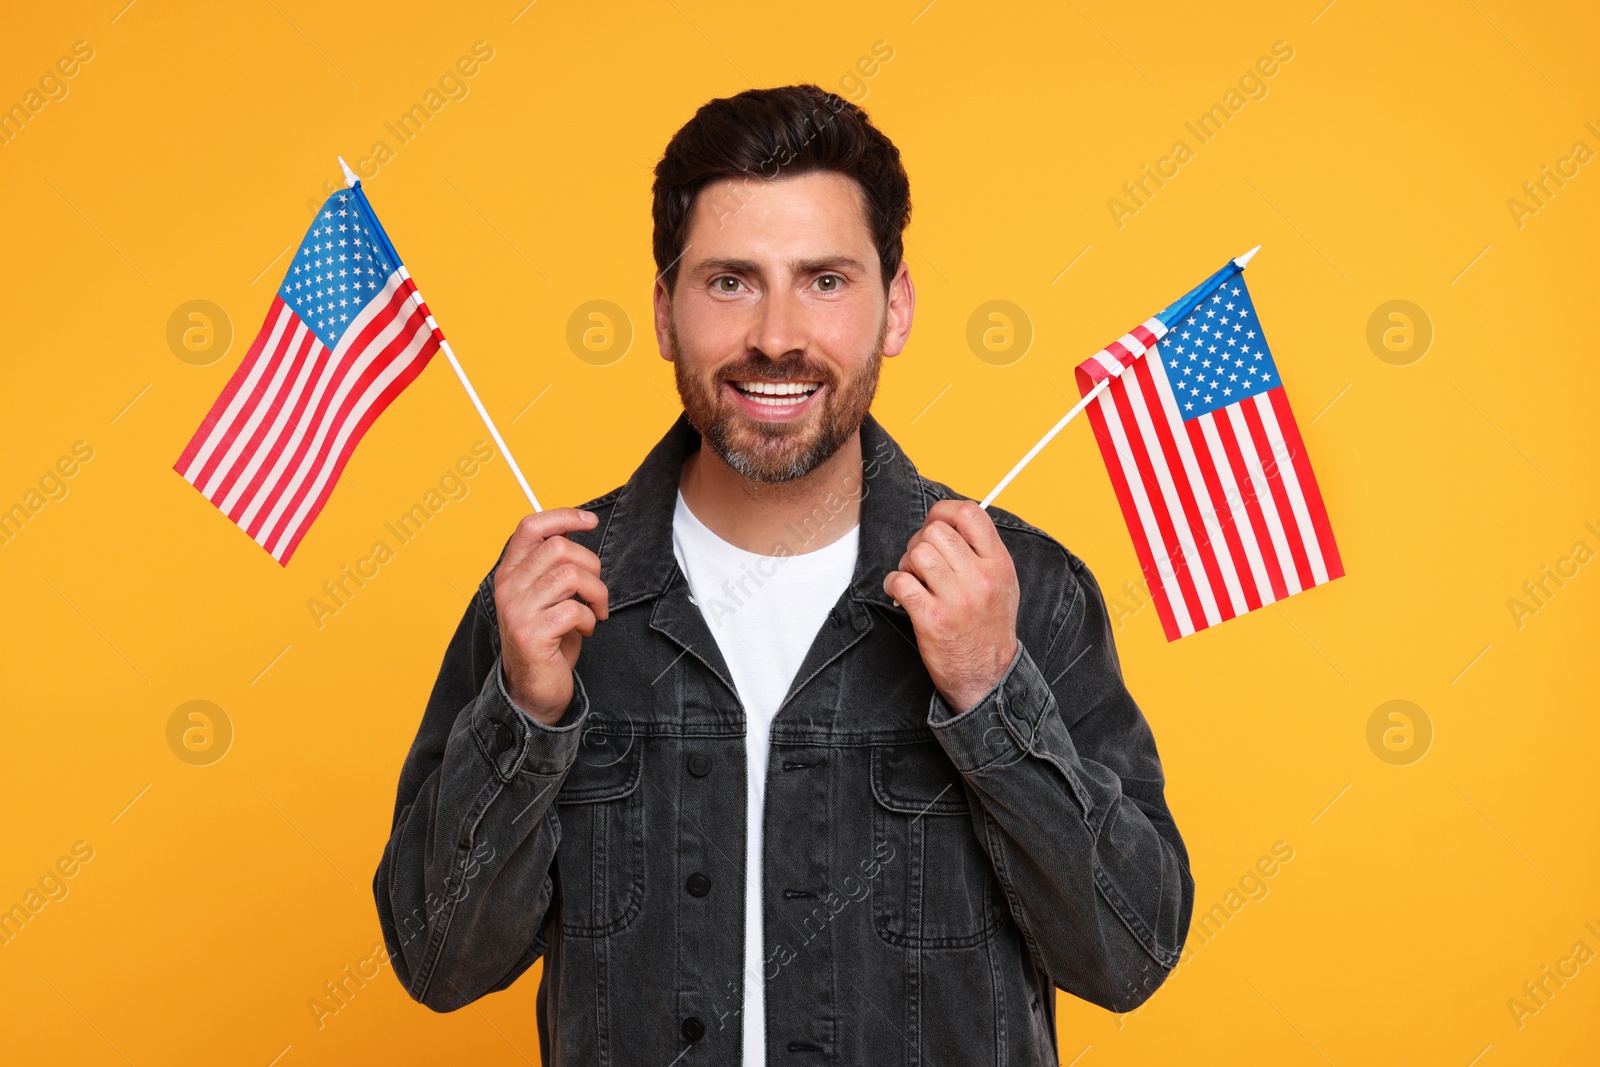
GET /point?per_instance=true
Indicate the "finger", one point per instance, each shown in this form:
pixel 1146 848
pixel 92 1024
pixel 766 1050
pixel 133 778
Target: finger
pixel 562 582
pixel 973 523
pixel 951 546
pixel 532 530
pixel 925 563
pixel 554 623
pixel 532 577
pixel 560 549
pixel 907 591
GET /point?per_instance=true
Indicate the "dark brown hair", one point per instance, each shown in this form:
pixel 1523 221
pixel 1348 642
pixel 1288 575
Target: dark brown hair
pixel 779 133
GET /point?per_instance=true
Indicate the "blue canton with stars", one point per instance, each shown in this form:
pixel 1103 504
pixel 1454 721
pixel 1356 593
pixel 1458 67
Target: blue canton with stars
pixel 341 265
pixel 1218 356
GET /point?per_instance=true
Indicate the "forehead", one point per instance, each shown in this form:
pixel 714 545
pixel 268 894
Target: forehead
pixel 755 218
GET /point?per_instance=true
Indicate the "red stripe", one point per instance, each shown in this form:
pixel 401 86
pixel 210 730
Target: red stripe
pixel 268 360
pixel 271 360
pixel 1118 391
pixel 1252 502
pixel 1144 336
pixel 1271 462
pixel 390 352
pixel 1162 418
pixel 1120 354
pixel 274 403
pixel 392 390
pixel 1130 514
pixel 1308 482
pixel 341 371
pixel 1224 513
pixel 321 354
pixel 240 373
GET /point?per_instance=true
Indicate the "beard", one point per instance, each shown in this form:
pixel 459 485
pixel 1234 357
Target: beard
pixel 777 451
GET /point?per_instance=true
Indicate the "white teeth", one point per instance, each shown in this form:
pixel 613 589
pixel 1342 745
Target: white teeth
pixel 777 388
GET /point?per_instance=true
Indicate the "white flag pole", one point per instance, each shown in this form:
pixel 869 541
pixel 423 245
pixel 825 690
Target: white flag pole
pixel 1241 262
pixel 352 181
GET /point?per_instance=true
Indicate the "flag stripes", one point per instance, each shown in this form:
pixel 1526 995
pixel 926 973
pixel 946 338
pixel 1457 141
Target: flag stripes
pixel 1224 511
pixel 274 443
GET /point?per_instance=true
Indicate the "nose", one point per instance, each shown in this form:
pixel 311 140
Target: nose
pixel 779 325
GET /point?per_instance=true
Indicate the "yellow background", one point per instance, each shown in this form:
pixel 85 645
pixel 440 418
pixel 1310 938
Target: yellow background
pixel 220 898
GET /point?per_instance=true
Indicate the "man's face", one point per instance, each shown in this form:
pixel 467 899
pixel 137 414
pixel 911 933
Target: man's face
pixel 778 322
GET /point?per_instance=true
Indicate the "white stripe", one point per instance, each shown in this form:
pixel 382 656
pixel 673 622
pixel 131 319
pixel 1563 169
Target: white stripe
pixel 258 411
pixel 219 429
pixel 407 356
pixel 1147 518
pixel 1132 344
pixel 276 432
pixel 303 426
pixel 1113 366
pixel 1157 327
pixel 1269 504
pixel 1174 501
pixel 1291 482
pixel 1238 507
pixel 1202 495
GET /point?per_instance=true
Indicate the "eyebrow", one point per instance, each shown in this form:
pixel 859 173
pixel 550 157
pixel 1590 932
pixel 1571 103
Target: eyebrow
pixel 796 266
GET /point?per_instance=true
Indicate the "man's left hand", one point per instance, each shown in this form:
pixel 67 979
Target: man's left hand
pixel 957 583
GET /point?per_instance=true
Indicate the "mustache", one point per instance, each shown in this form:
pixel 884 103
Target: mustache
pixel 767 371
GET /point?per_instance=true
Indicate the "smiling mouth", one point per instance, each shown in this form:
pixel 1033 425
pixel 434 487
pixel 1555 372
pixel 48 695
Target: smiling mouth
pixel 776 394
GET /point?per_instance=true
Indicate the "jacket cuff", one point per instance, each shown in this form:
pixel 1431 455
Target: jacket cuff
pixel 513 740
pixel 1016 719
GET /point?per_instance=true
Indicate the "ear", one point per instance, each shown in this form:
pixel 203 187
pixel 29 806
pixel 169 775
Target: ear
pixel 661 300
pixel 902 308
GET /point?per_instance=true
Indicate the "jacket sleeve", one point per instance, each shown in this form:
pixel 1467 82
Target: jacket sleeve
pixel 465 884
pixel 1071 810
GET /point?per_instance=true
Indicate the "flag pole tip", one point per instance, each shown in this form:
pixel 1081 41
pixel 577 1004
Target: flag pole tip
pixel 1244 260
pixel 350 178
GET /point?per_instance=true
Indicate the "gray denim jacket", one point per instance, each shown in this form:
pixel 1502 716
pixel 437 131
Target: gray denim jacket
pixel 929 878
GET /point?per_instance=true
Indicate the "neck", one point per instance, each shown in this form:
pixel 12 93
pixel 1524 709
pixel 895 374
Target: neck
pixel 776 518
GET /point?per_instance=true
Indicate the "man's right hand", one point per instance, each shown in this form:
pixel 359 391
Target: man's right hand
pixel 542 626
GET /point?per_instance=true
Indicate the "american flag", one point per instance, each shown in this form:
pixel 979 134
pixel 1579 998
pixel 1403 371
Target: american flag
pixel 347 331
pixel 1207 461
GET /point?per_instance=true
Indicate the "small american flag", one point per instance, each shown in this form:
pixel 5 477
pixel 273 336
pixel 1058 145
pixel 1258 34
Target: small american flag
pixel 1207 461
pixel 347 331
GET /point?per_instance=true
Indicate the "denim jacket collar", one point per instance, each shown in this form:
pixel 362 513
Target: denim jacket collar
pixel 636 557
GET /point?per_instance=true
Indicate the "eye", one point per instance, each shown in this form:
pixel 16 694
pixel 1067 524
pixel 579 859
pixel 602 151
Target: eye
pixel 830 283
pixel 731 286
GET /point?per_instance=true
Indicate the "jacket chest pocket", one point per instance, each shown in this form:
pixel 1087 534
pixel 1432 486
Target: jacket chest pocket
pixel 939 890
pixel 600 859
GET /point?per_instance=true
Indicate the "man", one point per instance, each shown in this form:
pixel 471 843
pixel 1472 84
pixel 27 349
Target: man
pixel 782 753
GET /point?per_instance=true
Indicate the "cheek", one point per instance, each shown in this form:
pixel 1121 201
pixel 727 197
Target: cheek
pixel 711 333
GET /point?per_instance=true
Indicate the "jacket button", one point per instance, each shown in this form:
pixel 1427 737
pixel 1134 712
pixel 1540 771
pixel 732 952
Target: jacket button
pixel 698 884
pixel 699 765
pixel 693 1029
pixel 503 738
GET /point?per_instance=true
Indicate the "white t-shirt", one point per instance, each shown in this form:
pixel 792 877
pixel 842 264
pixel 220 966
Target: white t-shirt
pixel 764 612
